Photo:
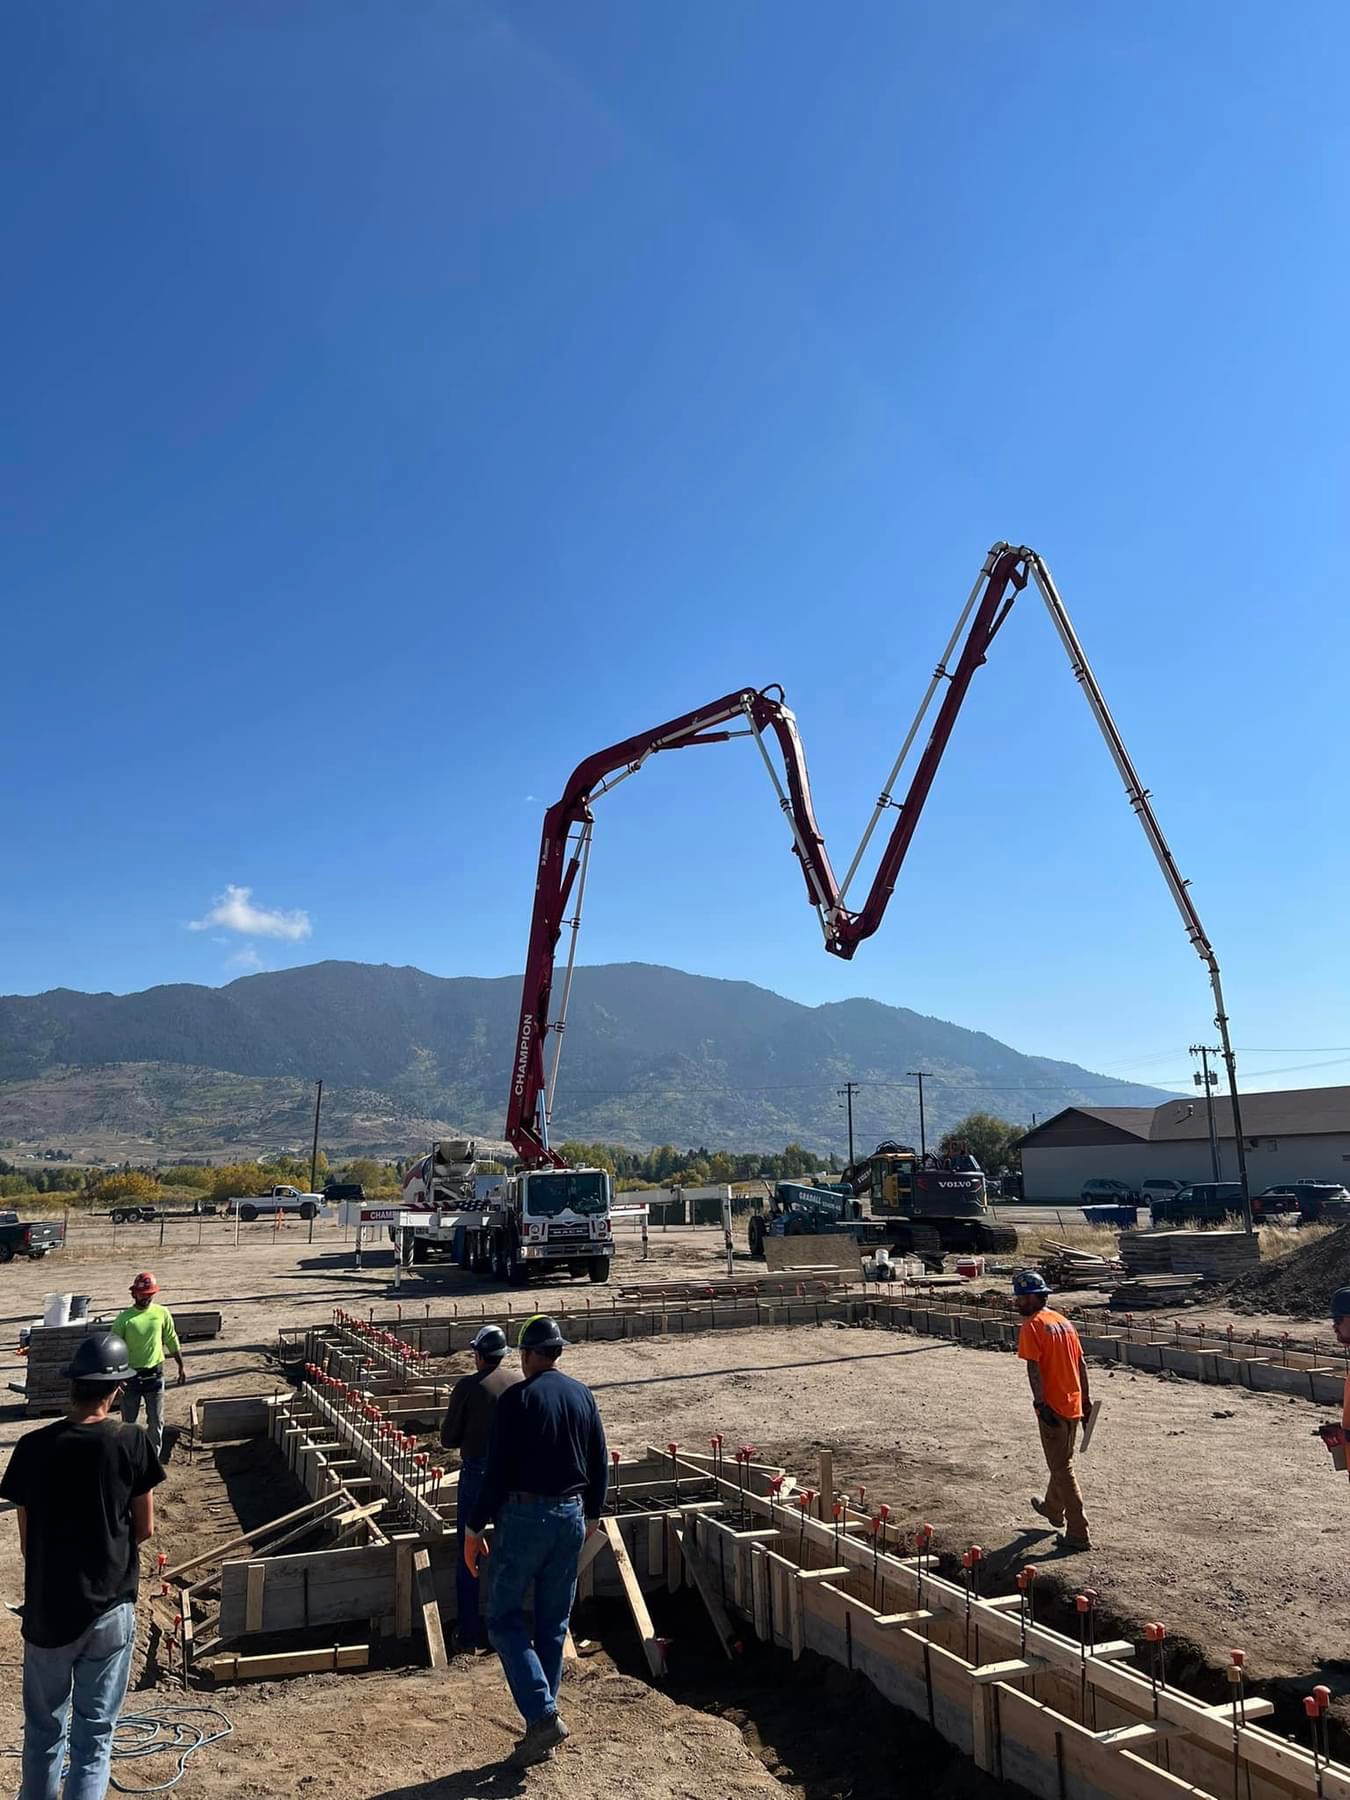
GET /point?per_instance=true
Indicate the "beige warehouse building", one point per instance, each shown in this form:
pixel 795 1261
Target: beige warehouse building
pixel 1302 1134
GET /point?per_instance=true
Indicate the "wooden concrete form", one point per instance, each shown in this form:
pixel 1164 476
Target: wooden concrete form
pixel 1029 1706
pixel 1025 1701
pixel 805 1300
pixel 1194 1353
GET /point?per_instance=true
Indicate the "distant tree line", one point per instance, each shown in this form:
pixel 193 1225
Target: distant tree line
pixel 666 1165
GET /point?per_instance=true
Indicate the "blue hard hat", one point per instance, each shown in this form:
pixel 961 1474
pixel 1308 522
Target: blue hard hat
pixel 1029 1281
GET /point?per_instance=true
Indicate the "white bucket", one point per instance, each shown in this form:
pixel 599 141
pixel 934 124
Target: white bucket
pixel 56 1309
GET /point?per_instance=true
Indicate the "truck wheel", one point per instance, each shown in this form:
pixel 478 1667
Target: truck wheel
pixel 419 1250
pixel 497 1263
pixel 517 1269
pixel 599 1269
pixel 118 1216
pixel 309 1210
pixel 6 1253
pixel 248 1214
pixel 756 1235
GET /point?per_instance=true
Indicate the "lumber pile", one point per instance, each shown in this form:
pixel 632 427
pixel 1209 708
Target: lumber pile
pixel 1065 1267
pixel 1217 1255
pixel 50 1348
pixel 1145 1293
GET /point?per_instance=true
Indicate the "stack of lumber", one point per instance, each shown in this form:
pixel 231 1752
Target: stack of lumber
pixel 655 1293
pixel 1217 1255
pixel 50 1348
pixel 1144 1293
pixel 1065 1267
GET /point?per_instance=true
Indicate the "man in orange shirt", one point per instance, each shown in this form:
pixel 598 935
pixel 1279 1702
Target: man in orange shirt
pixel 1336 1437
pixel 1049 1346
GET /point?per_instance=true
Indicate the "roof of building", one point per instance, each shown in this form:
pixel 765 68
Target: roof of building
pixel 1292 1112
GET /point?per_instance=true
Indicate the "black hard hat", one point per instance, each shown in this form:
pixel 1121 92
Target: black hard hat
pixel 490 1341
pixel 1340 1303
pixel 100 1357
pixel 540 1333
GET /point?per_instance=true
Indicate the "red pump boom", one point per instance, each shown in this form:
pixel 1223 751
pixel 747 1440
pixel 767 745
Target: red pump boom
pixel 565 841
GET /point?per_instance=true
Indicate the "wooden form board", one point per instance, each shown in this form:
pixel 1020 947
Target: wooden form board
pixel 828 1250
pixel 318 1587
pixel 652 1647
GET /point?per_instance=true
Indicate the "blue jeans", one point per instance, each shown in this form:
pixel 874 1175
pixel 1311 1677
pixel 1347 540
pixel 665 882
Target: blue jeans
pixel 95 1668
pixel 468 1626
pixel 534 1543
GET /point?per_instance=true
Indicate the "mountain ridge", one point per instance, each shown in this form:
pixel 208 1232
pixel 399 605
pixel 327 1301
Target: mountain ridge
pixel 654 1055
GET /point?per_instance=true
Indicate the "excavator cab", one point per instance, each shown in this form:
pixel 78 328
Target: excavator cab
pixel 892 1181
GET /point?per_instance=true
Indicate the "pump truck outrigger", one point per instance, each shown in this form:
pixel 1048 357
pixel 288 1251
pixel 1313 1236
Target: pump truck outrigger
pixel 565 843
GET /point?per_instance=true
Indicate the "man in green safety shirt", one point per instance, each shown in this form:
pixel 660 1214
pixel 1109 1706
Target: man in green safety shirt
pixel 148 1332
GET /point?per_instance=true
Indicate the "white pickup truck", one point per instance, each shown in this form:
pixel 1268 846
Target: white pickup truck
pixel 275 1200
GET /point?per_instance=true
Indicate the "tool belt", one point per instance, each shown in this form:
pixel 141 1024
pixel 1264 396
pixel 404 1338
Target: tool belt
pixel 148 1381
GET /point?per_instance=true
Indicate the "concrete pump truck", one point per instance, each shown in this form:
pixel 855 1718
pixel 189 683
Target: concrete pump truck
pixel 549 1216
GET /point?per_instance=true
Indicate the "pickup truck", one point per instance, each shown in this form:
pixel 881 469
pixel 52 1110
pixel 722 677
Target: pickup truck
pixel 275 1200
pixel 18 1239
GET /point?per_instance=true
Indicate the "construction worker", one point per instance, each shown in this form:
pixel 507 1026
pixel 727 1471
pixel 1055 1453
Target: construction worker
pixel 83 1487
pixel 544 1486
pixel 466 1428
pixel 1335 1437
pixel 1057 1371
pixel 148 1331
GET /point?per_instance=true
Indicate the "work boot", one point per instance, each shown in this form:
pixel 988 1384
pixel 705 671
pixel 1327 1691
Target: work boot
pixel 1071 1544
pixel 539 1742
pixel 1039 1507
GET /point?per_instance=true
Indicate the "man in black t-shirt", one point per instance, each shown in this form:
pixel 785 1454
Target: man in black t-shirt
pixel 83 1490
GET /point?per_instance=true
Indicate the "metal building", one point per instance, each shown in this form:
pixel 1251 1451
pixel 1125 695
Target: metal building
pixel 1302 1134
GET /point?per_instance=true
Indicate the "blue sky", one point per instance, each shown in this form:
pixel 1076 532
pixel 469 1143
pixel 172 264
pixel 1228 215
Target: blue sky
pixel 405 401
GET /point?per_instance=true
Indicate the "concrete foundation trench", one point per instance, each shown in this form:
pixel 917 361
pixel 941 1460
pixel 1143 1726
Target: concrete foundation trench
pixel 735 1586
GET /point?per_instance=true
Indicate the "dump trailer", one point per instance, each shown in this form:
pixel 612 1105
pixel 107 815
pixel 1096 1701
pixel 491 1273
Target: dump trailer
pixel 535 1222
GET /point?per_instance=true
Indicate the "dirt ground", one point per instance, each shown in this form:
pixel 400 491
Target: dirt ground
pixel 1212 1508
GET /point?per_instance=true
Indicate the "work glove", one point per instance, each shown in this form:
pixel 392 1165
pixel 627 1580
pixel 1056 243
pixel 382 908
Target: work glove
pixel 1333 1436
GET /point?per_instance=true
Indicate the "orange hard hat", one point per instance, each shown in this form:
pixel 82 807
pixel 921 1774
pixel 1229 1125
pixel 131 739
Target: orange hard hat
pixel 145 1283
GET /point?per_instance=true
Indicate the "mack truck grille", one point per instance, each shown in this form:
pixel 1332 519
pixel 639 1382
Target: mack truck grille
pixel 566 1231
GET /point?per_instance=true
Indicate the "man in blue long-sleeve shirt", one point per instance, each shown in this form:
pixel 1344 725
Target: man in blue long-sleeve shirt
pixel 544 1486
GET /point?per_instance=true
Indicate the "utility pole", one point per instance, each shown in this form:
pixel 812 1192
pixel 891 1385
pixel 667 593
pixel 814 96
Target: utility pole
pixel 314 1153
pixel 846 1094
pixel 1209 1081
pixel 921 1075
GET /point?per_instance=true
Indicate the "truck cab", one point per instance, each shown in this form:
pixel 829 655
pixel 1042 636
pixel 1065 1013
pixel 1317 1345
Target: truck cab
pixel 538 1222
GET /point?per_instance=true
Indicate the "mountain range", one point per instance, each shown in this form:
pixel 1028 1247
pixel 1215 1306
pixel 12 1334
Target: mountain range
pixel 653 1055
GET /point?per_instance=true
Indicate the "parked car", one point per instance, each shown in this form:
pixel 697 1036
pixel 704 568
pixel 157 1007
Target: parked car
pixel 19 1239
pixel 1203 1203
pixel 1113 1193
pixel 1162 1187
pixel 337 1191
pixel 1311 1200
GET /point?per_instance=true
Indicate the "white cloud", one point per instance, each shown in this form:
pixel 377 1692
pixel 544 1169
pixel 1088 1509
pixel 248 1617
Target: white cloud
pixel 234 910
pixel 246 960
